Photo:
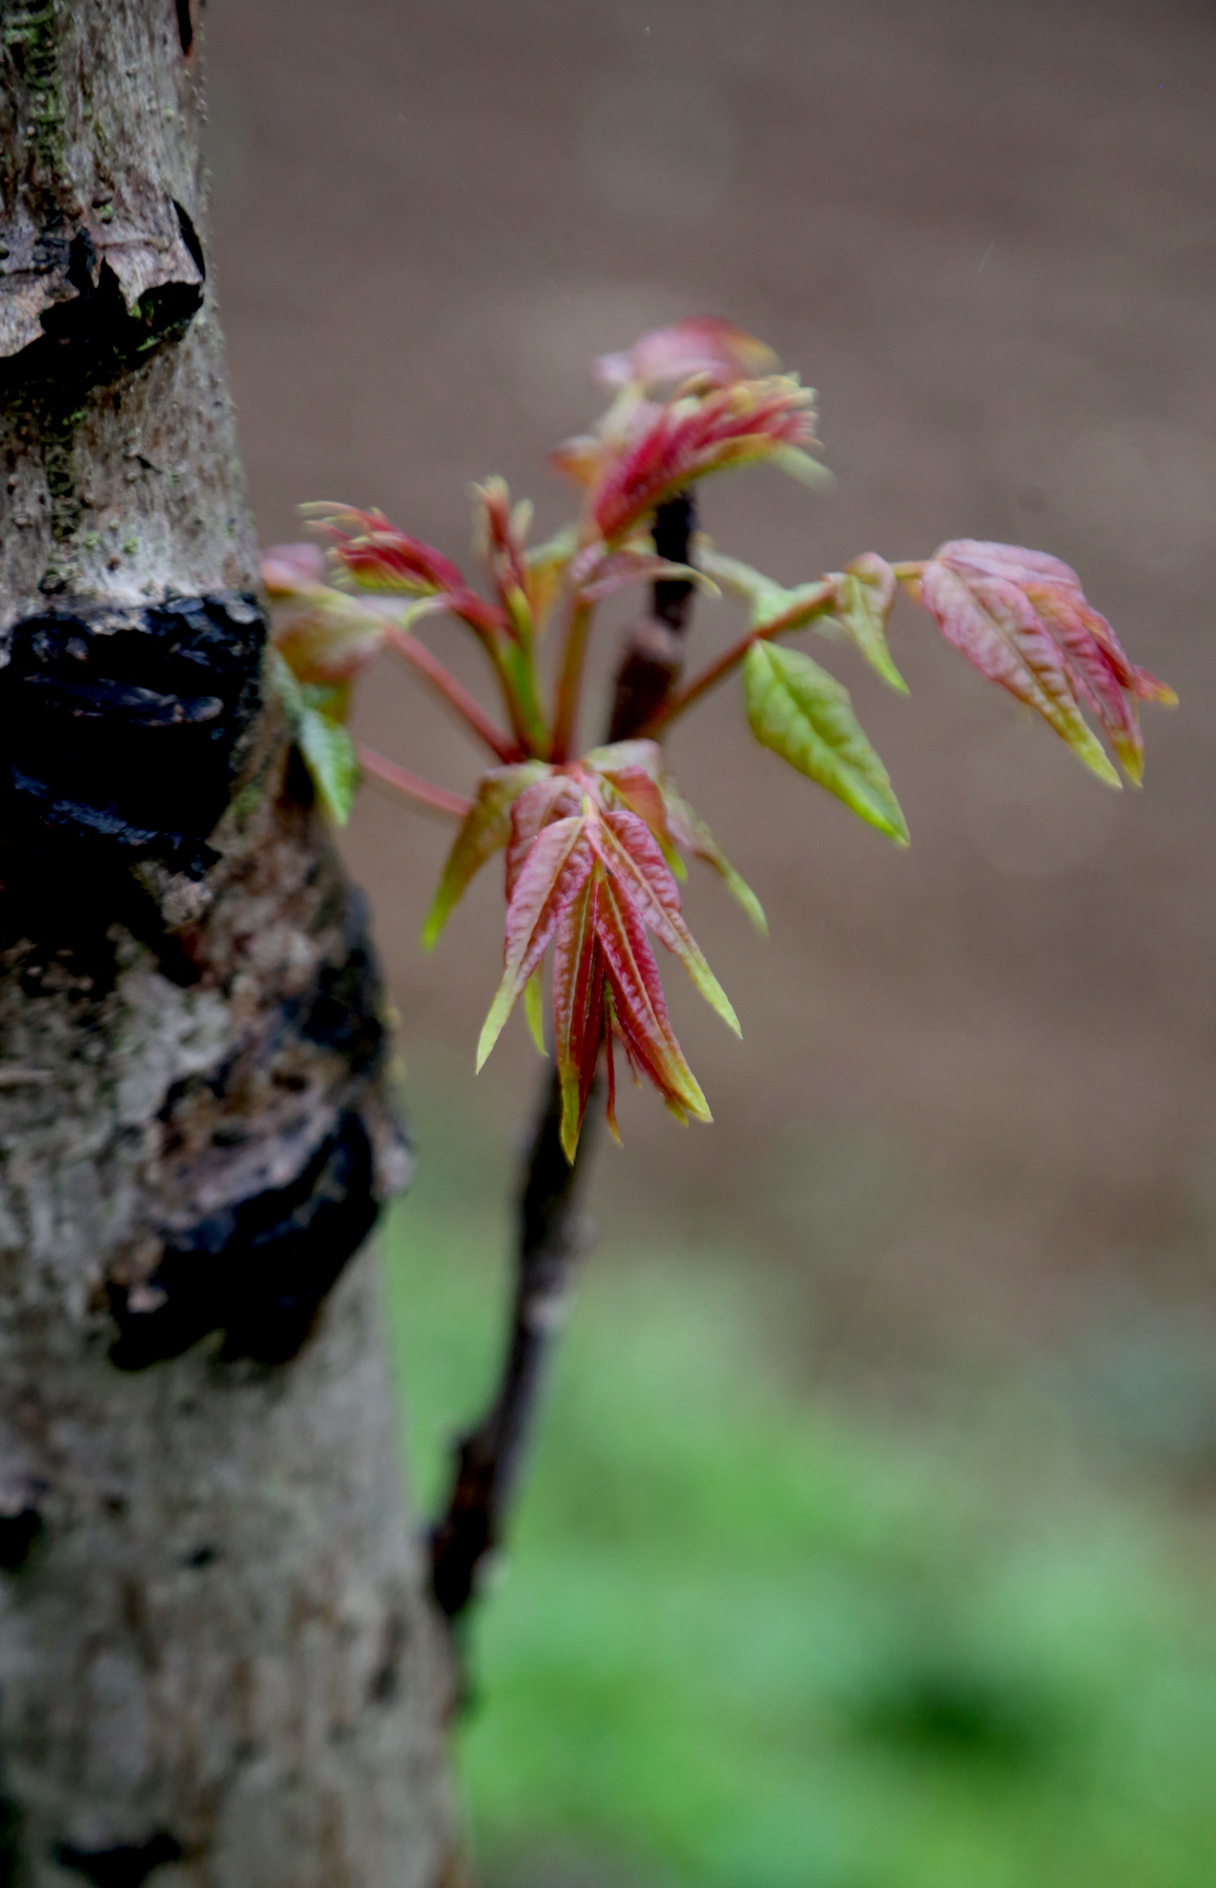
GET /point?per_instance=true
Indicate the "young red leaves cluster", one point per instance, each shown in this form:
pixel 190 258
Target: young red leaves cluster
pixel 593 845
pixel 692 436
pixel 726 406
pixel 589 854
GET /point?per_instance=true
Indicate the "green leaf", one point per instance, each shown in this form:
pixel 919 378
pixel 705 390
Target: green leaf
pixel 804 714
pixel 802 467
pixel 327 749
pixel 329 754
pixel 690 831
pixel 485 831
pixel 765 596
pixel 864 595
pixel 769 602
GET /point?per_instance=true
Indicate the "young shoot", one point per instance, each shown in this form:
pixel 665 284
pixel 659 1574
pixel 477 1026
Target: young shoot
pixel 594 839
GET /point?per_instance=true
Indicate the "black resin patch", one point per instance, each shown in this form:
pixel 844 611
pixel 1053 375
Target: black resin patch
pixel 257 1271
pixel 91 337
pixel 120 730
pixel 18 1534
pixel 343 1013
pixel 126 1866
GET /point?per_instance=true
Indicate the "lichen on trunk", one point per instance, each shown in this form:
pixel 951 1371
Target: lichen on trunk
pixel 217 1660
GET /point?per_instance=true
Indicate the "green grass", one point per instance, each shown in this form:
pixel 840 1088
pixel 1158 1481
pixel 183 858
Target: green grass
pixel 751 1642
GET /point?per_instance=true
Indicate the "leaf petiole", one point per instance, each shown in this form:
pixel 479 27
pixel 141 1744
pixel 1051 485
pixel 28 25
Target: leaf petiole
pixel 424 793
pixel 453 692
pixel 570 679
pixel 810 605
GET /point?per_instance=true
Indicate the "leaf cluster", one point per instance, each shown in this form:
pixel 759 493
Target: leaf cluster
pixel 593 844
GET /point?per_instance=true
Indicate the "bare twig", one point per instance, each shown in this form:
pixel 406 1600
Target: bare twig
pixel 489 1457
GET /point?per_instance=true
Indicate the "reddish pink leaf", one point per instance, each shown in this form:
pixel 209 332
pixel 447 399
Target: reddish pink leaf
pixel 629 851
pixel 1022 619
pixel 288 568
pixel 578 1010
pixel 380 557
pixel 700 345
pixel 557 796
pixel 638 1001
pixel 555 870
pixel 588 873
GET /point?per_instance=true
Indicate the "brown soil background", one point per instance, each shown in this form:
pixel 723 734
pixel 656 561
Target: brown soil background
pixel 975 1101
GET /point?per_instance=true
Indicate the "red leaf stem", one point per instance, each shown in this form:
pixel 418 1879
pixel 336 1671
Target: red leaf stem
pixel 716 671
pixel 424 793
pixel 453 692
pixel 570 680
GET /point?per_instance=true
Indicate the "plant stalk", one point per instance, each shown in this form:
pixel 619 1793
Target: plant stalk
pixel 569 684
pixel 490 1456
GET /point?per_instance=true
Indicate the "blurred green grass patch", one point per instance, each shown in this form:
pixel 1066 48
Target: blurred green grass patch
pixel 751 1640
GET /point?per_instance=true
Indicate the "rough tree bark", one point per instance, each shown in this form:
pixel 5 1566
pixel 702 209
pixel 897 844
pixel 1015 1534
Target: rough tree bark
pixel 217 1661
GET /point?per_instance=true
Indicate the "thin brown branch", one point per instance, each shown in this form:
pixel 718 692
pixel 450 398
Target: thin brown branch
pixel 490 1456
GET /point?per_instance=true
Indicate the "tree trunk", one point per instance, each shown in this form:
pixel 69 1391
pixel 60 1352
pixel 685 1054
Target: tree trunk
pixel 216 1658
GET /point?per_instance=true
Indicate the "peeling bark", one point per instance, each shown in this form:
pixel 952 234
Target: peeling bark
pixel 217 1661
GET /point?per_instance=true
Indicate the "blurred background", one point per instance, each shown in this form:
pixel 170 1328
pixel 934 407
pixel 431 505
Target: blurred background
pixel 869 1543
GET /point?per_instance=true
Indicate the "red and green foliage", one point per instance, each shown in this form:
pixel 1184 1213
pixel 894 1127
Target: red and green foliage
pixel 593 843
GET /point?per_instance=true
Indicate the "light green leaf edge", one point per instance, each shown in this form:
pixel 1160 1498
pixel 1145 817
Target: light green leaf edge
pixel 702 844
pixel 534 1009
pixel 484 831
pixel 865 629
